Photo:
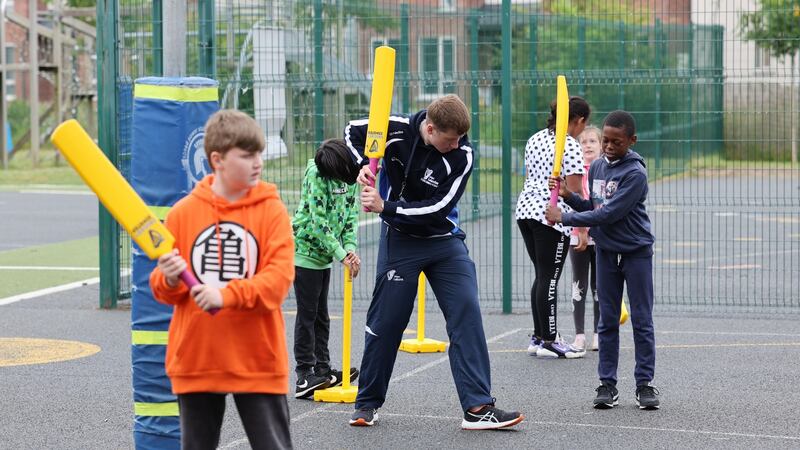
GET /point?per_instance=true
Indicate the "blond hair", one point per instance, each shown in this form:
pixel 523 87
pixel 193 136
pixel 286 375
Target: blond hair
pixel 449 113
pixel 592 129
pixel 228 128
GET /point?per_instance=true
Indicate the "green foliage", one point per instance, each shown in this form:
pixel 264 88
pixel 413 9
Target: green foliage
pixel 775 26
pixel 602 8
pixel 19 116
pixel 368 13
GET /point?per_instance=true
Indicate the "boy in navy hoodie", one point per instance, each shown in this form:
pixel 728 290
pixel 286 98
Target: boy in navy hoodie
pixel 624 243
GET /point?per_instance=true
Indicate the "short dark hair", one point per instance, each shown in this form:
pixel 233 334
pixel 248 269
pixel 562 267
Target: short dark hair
pixel 578 107
pixel 334 162
pixel 449 113
pixel 228 128
pixel 621 119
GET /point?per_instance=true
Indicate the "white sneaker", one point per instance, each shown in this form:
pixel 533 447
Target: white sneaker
pixel 596 342
pixel 534 345
pixel 580 342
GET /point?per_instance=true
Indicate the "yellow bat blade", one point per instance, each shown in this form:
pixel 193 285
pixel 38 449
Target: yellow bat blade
pixel 562 120
pixel 380 102
pixel 112 189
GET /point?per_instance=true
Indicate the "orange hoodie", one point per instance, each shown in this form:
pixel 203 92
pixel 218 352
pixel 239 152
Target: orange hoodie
pixel 246 249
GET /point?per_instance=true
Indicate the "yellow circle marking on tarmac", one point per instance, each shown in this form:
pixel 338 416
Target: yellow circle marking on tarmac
pixel 26 351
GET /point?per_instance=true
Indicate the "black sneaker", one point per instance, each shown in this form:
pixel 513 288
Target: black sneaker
pixel 647 397
pixel 607 396
pixel 365 417
pixel 335 376
pixel 308 383
pixel 490 418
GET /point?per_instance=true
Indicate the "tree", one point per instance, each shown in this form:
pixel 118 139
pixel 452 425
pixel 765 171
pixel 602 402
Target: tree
pixel 775 27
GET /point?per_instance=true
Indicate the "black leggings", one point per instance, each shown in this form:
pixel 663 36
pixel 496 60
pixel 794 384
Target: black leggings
pixel 265 418
pixel 584 279
pixel 547 248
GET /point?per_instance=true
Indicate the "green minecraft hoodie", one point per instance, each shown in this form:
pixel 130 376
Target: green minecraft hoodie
pixel 326 220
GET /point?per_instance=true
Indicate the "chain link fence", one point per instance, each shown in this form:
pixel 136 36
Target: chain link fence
pixel 717 116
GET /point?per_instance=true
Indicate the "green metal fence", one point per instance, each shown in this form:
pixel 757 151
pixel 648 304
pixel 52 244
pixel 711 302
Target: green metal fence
pixel 724 198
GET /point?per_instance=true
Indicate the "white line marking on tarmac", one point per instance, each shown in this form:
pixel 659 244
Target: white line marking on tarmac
pixel 729 333
pixel 50 290
pixel 49 268
pixel 665 346
pixel 55 191
pixel 395 379
pixel 593 425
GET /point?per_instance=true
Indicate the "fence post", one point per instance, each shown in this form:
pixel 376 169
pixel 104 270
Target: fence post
pixel 621 98
pixel 405 89
pixel 158 37
pixel 533 37
pixel 506 179
pixel 581 81
pixel 107 58
pixel 206 38
pixel 475 132
pixel 319 101
pixel 657 112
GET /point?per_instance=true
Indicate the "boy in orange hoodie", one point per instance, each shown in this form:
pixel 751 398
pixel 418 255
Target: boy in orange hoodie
pixel 236 235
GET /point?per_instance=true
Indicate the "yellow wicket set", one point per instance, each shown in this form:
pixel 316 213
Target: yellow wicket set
pixel 422 344
pixel 344 393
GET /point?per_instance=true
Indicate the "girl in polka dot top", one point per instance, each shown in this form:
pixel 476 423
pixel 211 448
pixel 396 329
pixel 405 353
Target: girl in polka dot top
pixel 547 244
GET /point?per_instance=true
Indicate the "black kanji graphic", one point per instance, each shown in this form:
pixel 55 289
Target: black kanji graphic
pixel 230 265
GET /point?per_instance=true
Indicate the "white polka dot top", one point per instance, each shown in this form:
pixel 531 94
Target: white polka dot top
pixel 539 157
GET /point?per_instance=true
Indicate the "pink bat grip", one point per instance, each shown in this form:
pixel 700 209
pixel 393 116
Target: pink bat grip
pixel 373 165
pixel 190 281
pixel 554 197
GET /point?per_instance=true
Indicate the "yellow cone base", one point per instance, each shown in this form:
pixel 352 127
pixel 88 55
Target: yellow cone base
pixel 623 317
pixel 338 394
pixel 422 346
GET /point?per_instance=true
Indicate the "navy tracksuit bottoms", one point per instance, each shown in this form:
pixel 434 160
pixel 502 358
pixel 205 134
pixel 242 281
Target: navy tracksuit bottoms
pixel 451 274
pixel 636 271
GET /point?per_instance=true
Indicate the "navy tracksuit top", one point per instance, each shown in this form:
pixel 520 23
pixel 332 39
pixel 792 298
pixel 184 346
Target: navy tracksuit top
pixel 427 206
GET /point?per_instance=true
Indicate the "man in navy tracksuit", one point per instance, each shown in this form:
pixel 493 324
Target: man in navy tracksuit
pixel 426 165
pixel 624 245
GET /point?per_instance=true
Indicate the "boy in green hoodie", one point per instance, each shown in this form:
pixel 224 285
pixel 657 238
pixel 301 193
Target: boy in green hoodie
pixel 325 227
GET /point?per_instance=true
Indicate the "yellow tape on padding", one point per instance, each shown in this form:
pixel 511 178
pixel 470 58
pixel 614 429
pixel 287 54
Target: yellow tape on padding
pixel 175 93
pixel 142 337
pixel 169 409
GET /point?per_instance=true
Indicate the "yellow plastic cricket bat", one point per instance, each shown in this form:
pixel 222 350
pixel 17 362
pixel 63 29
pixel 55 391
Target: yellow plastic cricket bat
pixel 562 121
pixel 115 193
pixel 380 105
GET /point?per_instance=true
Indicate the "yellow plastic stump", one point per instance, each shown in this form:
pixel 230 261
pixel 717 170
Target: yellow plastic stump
pixel 421 344
pixel 344 393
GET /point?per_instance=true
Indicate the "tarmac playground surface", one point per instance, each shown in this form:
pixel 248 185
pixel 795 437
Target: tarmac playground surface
pixel 727 380
pixel 724 382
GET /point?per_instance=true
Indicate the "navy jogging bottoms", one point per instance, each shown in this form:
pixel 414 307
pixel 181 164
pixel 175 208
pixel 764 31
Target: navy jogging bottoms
pixel 452 277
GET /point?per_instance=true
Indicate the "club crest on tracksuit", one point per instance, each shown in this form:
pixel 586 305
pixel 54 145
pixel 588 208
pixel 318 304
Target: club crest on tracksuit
pixel 220 257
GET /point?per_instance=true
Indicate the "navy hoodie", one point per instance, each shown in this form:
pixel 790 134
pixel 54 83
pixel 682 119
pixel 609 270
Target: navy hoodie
pixel 616 211
pixel 426 205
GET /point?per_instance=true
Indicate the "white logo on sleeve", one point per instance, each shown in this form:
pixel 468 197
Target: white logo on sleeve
pixel 428 178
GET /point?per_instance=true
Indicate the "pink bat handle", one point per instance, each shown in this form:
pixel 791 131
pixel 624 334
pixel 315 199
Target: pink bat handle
pixel 373 165
pixel 190 281
pixel 554 197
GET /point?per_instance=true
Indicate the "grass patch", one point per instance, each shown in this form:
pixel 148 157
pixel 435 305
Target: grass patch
pixel 49 172
pixel 75 253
